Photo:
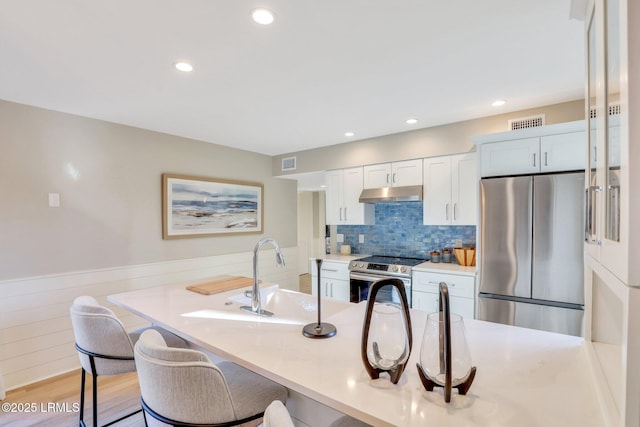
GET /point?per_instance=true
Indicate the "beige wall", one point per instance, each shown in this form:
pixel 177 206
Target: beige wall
pixel 110 214
pixel 434 141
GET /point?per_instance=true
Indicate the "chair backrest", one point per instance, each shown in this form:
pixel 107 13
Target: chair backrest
pixel 181 384
pixel 98 330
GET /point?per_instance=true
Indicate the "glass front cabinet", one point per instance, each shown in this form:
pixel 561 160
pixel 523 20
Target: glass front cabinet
pixel 612 204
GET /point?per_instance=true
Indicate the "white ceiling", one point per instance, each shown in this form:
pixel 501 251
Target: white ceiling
pixel 321 69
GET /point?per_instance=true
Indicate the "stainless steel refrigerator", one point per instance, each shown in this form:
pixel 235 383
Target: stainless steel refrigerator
pixel 531 252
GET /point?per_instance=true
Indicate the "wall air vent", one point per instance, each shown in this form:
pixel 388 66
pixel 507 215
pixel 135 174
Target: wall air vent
pixel 527 122
pixel 614 110
pixel 289 164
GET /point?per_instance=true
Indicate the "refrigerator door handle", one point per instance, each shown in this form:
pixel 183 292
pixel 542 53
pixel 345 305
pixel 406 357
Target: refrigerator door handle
pixel 587 214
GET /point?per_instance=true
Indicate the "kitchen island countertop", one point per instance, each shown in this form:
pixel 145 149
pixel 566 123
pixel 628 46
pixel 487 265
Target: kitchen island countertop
pixel 525 377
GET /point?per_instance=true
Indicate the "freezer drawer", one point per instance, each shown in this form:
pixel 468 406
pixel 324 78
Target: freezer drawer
pixel 534 316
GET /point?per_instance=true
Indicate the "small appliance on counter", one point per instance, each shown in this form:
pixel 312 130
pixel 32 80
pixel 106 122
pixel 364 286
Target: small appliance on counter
pixel 327 239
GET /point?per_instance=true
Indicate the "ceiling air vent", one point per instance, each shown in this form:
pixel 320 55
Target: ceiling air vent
pixel 614 110
pixel 527 122
pixel 289 164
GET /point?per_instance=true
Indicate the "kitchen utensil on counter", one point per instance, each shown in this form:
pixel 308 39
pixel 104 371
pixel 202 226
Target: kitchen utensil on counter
pixel 319 329
pixel 465 256
pixel 435 256
pixel 345 249
pixel 386 334
pixel 445 360
pixel 221 284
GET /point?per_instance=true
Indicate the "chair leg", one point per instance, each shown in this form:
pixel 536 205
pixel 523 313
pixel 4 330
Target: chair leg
pixel 82 385
pixel 94 392
pixel 95 398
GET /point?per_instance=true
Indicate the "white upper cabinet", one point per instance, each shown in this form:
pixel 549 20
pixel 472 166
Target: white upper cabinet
pixel 408 172
pixel 510 157
pixel 342 198
pixel 552 148
pixel 450 189
pixel 464 188
pixel 563 152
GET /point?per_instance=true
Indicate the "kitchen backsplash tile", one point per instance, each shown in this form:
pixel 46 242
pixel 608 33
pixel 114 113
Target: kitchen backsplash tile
pixel 399 231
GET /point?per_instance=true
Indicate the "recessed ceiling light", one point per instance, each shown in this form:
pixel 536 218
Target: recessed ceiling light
pixel 184 66
pixel 262 16
pixel 498 103
pixel 349 134
pixel 412 121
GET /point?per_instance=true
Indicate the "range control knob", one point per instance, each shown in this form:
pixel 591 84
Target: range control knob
pixel 404 269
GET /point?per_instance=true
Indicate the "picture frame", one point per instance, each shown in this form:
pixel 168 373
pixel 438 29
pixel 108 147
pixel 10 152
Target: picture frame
pixel 195 206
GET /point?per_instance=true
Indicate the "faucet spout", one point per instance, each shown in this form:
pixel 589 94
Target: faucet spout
pixel 256 303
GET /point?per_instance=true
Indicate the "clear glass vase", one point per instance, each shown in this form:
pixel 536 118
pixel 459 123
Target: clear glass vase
pixel 388 343
pixel 432 358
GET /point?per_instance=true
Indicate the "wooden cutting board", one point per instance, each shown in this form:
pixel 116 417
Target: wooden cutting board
pixel 221 284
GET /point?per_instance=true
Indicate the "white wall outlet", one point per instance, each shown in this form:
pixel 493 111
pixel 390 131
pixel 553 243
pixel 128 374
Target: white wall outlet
pixel 54 200
pixel 361 238
pixel 458 243
pixel 339 238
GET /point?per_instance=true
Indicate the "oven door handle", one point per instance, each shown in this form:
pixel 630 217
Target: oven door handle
pixel 367 277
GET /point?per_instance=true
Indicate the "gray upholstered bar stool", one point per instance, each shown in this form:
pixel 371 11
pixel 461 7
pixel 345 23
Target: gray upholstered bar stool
pixel 181 387
pixel 104 347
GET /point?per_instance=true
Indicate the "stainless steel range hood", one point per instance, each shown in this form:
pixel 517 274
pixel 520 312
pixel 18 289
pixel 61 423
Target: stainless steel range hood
pixel 411 193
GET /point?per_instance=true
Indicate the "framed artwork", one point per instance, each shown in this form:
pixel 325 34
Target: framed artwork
pixel 199 207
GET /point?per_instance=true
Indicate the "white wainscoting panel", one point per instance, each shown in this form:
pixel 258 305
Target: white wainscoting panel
pixel 36 339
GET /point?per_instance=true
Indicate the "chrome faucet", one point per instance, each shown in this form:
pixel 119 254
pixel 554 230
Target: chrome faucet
pixel 256 305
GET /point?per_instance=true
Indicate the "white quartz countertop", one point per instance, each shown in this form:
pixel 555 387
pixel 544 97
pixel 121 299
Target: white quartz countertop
pixel 341 258
pixel 445 267
pixel 525 377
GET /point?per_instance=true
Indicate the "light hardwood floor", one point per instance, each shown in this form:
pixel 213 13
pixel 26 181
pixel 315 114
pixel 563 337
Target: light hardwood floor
pixel 55 401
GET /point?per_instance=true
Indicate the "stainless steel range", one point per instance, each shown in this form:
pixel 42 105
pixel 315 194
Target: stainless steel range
pixel 364 271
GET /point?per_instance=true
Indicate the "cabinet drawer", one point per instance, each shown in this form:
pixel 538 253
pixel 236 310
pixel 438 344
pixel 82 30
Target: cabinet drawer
pixel 331 270
pixel 429 302
pixel 459 286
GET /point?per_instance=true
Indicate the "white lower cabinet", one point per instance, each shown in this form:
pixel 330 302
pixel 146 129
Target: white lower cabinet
pixel 333 288
pixel 334 280
pixel 426 292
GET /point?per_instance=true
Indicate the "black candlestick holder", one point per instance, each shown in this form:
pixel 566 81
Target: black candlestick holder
pixel 319 329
